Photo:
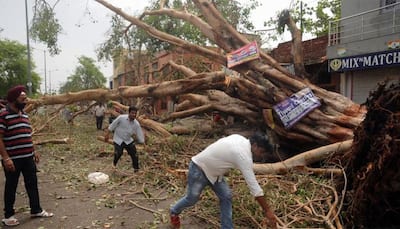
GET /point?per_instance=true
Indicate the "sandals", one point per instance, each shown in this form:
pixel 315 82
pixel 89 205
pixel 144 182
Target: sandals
pixel 10 221
pixel 43 214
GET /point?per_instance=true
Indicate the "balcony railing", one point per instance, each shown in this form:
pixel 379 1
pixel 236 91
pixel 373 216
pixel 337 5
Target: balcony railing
pixel 366 25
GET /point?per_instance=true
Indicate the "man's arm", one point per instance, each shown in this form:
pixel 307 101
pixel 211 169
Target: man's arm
pixel 8 163
pixel 107 135
pixel 3 152
pixel 139 134
pixel 269 214
pixel 246 167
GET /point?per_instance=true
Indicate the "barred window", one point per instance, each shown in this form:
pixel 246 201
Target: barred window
pixel 387 3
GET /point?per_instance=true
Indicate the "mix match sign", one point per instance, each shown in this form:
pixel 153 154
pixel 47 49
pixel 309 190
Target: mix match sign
pixel 244 54
pixel 296 106
pixel 371 60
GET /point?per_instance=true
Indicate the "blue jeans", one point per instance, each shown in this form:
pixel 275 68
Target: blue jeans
pixel 197 181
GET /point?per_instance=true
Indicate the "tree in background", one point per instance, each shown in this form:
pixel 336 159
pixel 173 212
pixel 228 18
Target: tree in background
pixel 14 67
pixel 124 36
pixel 310 19
pixel 45 27
pixel 86 76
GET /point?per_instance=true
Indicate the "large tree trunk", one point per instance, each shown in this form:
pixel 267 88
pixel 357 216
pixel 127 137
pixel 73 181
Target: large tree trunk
pixel 297 47
pixel 304 159
pixel 263 84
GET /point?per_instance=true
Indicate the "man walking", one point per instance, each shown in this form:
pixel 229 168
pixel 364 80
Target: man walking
pixel 99 111
pixel 18 156
pixel 124 127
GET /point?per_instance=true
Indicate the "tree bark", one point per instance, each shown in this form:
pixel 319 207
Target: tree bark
pixel 304 159
pixel 263 82
pixel 297 46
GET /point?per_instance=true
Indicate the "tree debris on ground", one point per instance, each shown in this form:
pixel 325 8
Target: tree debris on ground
pixel 300 198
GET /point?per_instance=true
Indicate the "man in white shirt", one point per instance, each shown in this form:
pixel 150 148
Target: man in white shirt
pixel 99 111
pixel 208 168
pixel 124 127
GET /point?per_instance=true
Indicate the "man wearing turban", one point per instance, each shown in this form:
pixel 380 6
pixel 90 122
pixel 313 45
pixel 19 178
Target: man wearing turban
pixel 18 156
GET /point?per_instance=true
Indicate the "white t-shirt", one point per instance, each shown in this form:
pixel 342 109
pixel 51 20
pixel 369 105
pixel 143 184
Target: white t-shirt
pixel 99 111
pixel 232 152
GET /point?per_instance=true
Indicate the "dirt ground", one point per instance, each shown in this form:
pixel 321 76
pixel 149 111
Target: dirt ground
pixel 127 201
pixel 88 208
pixel 142 201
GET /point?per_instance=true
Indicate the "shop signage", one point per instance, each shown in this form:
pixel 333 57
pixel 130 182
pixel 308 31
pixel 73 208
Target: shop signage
pixel 242 55
pixel 296 106
pixel 370 60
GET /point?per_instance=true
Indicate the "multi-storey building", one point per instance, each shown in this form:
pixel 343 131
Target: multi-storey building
pixel 128 68
pixel 364 46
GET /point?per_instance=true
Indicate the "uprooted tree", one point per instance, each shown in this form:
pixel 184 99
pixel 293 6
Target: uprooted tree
pixel 263 84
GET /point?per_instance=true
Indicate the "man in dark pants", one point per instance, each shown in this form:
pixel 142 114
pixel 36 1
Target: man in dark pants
pixel 124 127
pixel 18 156
pixel 99 112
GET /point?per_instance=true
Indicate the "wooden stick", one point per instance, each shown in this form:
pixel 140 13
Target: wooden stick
pixel 144 208
pixel 53 141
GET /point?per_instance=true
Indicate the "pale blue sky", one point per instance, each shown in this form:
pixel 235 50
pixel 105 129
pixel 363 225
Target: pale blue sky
pixel 80 35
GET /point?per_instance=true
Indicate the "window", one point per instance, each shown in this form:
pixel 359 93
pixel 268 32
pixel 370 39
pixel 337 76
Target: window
pixel 165 72
pixel 388 3
pixel 154 66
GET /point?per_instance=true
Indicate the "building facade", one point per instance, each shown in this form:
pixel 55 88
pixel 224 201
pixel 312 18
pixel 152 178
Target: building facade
pixel 132 69
pixel 364 46
pixel 315 62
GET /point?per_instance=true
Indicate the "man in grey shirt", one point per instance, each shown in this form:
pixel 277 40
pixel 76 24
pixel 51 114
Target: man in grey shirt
pixel 124 127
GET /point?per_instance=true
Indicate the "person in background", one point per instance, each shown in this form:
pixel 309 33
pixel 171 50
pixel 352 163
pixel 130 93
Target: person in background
pixel 18 156
pixel 124 127
pixel 208 168
pixel 99 111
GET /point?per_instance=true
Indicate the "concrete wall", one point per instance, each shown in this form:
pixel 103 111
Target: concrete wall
pixel 366 33
pixel 365 28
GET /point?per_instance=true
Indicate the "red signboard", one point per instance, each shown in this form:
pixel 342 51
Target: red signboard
pixel 244 54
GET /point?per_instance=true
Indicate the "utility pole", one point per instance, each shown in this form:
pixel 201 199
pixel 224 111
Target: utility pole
pixel 50 92
pixel 301 17
pixel 45 76
pixel 49 82
pixel 29 84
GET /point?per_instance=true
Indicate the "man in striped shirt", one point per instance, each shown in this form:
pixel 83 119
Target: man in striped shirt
pixel 18 156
